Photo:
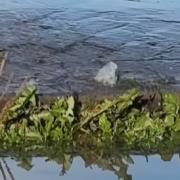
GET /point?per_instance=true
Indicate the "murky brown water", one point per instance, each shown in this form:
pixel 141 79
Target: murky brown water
pixel 62 44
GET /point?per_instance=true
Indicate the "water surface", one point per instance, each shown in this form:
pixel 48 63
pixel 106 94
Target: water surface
pixel 155 168
pixel 62 44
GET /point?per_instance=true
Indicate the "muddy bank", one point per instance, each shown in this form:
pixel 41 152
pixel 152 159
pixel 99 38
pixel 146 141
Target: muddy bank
pixel 63 48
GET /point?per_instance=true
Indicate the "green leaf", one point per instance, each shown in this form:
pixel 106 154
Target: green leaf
pixel 142 122
pixel 105 125
pixel 177 125
pixel 67 162
pixel 169 120
pixel 26 163
pixel 170 103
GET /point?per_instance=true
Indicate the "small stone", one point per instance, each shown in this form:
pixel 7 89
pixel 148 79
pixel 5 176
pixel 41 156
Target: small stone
pixel 107 74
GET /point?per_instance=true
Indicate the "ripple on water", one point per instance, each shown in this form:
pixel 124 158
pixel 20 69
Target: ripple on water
pixel 62 45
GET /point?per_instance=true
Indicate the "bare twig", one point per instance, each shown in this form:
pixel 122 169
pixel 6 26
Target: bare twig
pixel 3 63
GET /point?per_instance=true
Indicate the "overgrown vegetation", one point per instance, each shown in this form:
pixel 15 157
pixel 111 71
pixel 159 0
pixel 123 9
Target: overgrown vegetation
pixel 133 120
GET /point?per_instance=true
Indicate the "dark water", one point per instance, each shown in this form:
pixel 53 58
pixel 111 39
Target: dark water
pixel 62 44
pixel 155 168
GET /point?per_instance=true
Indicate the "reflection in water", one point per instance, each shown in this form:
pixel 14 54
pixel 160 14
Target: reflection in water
pixel 155 168
pixel 6 171
pixel 86 162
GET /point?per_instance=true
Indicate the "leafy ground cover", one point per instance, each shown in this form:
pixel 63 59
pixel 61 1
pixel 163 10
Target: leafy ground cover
pixel 133 120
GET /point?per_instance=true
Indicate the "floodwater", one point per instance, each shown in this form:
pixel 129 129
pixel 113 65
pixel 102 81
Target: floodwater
pixel 139 169
pixel 61 44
